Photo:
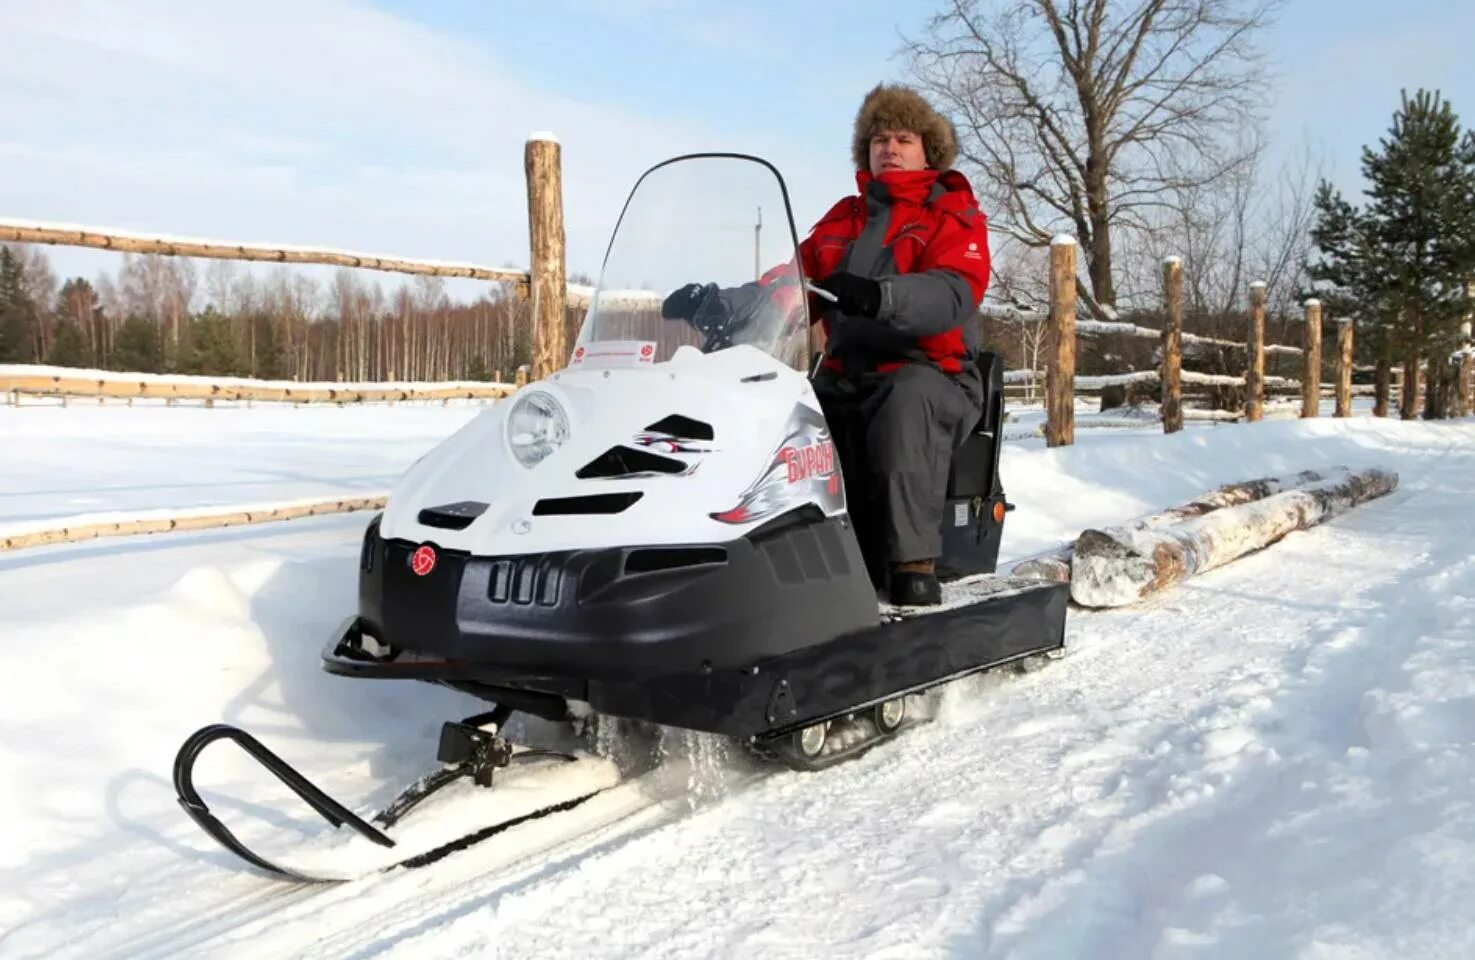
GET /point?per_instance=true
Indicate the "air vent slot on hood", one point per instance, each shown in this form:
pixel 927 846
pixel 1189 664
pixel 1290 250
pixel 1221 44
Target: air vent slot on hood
pixel 452 516
pixel 628 462
pixel 684 427
pixel 595 504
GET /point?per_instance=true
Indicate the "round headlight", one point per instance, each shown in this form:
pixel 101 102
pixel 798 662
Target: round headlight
pixel 536 427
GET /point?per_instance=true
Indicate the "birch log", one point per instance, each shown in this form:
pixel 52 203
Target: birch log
pixel 1054 565
pixel 1116 567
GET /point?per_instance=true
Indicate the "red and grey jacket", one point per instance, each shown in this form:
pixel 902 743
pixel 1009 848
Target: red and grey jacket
pixel 921 234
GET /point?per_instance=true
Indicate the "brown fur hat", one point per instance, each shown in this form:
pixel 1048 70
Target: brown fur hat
pixel 897 107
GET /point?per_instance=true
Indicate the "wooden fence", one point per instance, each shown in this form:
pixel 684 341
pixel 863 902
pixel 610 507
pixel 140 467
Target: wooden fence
pixel 1062 385
pixel 545 284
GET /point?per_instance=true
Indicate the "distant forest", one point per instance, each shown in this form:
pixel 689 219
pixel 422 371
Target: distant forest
pixel 169 315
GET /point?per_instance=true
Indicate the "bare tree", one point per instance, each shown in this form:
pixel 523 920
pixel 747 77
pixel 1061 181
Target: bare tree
pixel 1086 114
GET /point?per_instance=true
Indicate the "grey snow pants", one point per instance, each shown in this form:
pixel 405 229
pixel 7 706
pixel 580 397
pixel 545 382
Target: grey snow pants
pixel 896 434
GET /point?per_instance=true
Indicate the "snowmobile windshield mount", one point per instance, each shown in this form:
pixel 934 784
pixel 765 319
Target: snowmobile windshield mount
pixel 704 256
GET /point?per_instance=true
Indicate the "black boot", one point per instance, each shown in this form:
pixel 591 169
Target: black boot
pixel 910 589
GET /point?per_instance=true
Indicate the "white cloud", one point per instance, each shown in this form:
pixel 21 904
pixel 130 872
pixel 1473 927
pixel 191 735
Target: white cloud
pixel 312 121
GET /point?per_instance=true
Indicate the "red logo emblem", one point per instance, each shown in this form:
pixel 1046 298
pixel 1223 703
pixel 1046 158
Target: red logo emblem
pixel 422 561
pixel 647 350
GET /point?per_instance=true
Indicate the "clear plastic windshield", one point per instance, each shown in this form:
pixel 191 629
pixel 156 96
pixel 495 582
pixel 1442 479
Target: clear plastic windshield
pixel 703 257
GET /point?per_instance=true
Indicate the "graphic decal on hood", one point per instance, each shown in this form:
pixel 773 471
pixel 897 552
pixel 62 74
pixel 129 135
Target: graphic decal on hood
pixel 805 468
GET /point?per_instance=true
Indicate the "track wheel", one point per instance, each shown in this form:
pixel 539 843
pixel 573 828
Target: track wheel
pixel 889 715
pixel 810 741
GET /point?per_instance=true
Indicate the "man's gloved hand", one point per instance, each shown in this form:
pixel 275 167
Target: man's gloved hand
pixel 855 296
pixel 684 302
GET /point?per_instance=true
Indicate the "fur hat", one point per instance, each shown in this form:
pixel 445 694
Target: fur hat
pixel 901 108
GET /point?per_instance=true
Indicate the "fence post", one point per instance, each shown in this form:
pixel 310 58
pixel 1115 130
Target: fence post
pixel 1172 374
pixel 1344 367
pixel 1467 382
pixel 1060 370
pixel 549 287
pixel 1311 360
pixel 522 375
pixel 1255 375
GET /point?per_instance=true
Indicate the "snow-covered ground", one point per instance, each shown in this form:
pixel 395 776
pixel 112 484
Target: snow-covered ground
pixel 1272 760
pixel 60 461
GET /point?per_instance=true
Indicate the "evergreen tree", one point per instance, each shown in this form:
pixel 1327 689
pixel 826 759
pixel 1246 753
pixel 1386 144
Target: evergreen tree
pixel 16 344
pixel 271 353
pixel 68 349
pixel 478 370
pixel 1421 223
pixel 213 346
pixel 137 347
pixel 1345 278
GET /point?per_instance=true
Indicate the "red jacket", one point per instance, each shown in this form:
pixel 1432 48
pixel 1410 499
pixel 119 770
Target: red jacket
pixel 921 234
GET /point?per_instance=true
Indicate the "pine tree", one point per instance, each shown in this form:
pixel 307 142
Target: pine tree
pixel 138 347
pixel 16 342
pixel 212 346
pixel 68 349
pixel 1421 223
pixel 1345 279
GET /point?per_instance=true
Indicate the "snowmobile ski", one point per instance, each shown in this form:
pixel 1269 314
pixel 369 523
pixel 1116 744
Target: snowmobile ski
pixel 468 750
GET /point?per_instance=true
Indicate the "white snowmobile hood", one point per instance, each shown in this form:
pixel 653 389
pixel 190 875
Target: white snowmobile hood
pixel 769 453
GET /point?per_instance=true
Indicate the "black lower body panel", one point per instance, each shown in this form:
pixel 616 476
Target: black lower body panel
pixel 769 695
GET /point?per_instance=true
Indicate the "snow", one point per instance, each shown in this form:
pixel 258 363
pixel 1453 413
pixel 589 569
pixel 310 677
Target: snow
pixel 58 462
pixel 1273 759
pixel 1062 240
pixel 544 135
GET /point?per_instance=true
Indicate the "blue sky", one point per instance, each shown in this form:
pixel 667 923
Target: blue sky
pixel 398 126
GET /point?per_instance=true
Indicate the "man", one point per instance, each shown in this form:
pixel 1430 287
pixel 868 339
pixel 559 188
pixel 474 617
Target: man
pixel 907 262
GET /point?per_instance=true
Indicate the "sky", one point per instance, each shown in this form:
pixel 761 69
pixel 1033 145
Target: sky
pixel 398 127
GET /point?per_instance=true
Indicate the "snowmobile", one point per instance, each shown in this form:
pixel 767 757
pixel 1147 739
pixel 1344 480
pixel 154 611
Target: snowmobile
pixel 660 532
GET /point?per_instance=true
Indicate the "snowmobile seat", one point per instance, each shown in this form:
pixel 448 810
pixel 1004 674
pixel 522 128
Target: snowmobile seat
pixel 973 518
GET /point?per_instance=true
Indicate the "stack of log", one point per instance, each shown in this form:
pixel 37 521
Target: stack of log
pixel 1120 565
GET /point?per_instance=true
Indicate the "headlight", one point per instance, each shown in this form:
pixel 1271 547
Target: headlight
pixel 536 427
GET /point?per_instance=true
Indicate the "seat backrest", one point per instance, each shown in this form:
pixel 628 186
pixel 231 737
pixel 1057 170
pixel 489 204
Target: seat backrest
pixel 975 467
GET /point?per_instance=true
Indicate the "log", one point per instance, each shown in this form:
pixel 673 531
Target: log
pixel 1116 567
pixel 103 238
pixel 77 529
pixel 1060 368
pixel 20 379
pixel 1311 361
pixel 542 163
pixel 1344 369
pixel 1255 341
pixel 1054 565
pixel 1172 403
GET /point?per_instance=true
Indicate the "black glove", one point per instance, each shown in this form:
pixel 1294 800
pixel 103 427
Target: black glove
pixel 684 302
pixel 854 296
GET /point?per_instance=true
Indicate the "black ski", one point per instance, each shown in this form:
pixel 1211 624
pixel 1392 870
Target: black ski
pixel 471 752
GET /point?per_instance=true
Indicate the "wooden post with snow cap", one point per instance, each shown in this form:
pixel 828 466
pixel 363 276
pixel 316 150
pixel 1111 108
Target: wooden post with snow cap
pixel 548 270
pixel 1255 375
pixel 1344 367
pixel 1060 371
pixel 1172 375
pixel 1311 360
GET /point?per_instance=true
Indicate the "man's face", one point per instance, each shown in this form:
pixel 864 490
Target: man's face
pixel 897 150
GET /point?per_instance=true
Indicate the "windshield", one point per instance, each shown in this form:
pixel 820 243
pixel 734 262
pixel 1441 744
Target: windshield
pixel 703 257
